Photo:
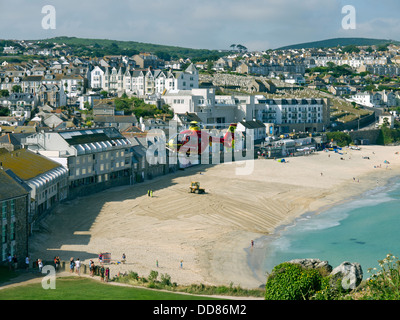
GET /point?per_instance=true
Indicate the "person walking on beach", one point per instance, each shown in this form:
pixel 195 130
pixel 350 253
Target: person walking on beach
pixel 71 265
pixel 157 263
pixel 107 274
pixel 123 258
pixel 57 263
pixel 252 243
pixel 40 265
pixel 181 264
pixel 78 267
pixel 91 268
pixel 102 273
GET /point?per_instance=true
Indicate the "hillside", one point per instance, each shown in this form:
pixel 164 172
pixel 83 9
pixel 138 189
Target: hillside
pixel 329 43
pixel 100 47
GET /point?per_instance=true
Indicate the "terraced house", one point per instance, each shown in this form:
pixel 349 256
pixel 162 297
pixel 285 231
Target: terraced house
pixel 14 208
pixel 142 82
pixel 96 158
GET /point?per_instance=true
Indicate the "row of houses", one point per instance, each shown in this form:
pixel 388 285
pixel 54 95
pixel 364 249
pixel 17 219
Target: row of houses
pixel 142 82
pixel 40 170
pixel 375 99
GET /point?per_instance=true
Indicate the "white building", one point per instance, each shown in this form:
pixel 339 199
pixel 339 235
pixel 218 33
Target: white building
pixel 96 78
pixel 306 115
pixel 387 119
pixel 92 156
pixel 142 82
pixel 367 99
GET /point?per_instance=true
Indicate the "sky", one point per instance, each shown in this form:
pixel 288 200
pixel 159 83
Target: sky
pixel 202 24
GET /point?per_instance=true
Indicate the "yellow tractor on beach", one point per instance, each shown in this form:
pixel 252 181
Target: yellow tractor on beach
pixel 195 188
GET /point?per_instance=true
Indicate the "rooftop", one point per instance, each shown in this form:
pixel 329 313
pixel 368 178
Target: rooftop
pixel 9 188
pixel 26 164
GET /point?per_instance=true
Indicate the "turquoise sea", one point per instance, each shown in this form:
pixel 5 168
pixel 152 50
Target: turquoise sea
pixel 362 230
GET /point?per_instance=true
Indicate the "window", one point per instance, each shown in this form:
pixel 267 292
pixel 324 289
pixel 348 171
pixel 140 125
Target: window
pixel 4 233
pixel 4 210
pixel 13 228
pixel 12 207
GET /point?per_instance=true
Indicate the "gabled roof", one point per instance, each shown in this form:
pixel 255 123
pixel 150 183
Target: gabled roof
pixel 9 139
pixel 191 68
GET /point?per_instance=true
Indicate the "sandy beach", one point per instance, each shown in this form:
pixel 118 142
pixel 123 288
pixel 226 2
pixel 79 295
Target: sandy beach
pixel 210 233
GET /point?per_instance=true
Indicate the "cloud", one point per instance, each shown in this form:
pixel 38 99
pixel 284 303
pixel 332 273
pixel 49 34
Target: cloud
pixel 211 24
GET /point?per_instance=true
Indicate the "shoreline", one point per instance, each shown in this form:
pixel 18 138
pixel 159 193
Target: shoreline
pixel 211 233
pixel 257 263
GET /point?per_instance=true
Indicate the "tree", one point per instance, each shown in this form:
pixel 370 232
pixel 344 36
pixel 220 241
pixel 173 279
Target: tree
pixel 4 111
pixel 233 46
pixel 351 48
pixel 16 89
pixel 4 93
pixel 241 48
pixel 163 55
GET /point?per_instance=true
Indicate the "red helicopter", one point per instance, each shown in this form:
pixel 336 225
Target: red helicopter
pixel 197 141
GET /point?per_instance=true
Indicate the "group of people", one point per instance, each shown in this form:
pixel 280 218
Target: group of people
pixel 150 193
pixel 13 263
pixel 74 265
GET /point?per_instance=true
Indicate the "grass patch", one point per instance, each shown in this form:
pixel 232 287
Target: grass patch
pixel 165 283
pixel 81 288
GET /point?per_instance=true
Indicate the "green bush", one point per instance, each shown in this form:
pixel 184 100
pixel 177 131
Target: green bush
pixel 290 281
pixel 342 138
pixel 165 279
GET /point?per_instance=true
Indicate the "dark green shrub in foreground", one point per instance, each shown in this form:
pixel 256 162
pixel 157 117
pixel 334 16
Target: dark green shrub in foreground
pixel 290 281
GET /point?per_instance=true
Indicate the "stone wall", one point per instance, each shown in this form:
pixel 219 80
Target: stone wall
pixel 370 135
